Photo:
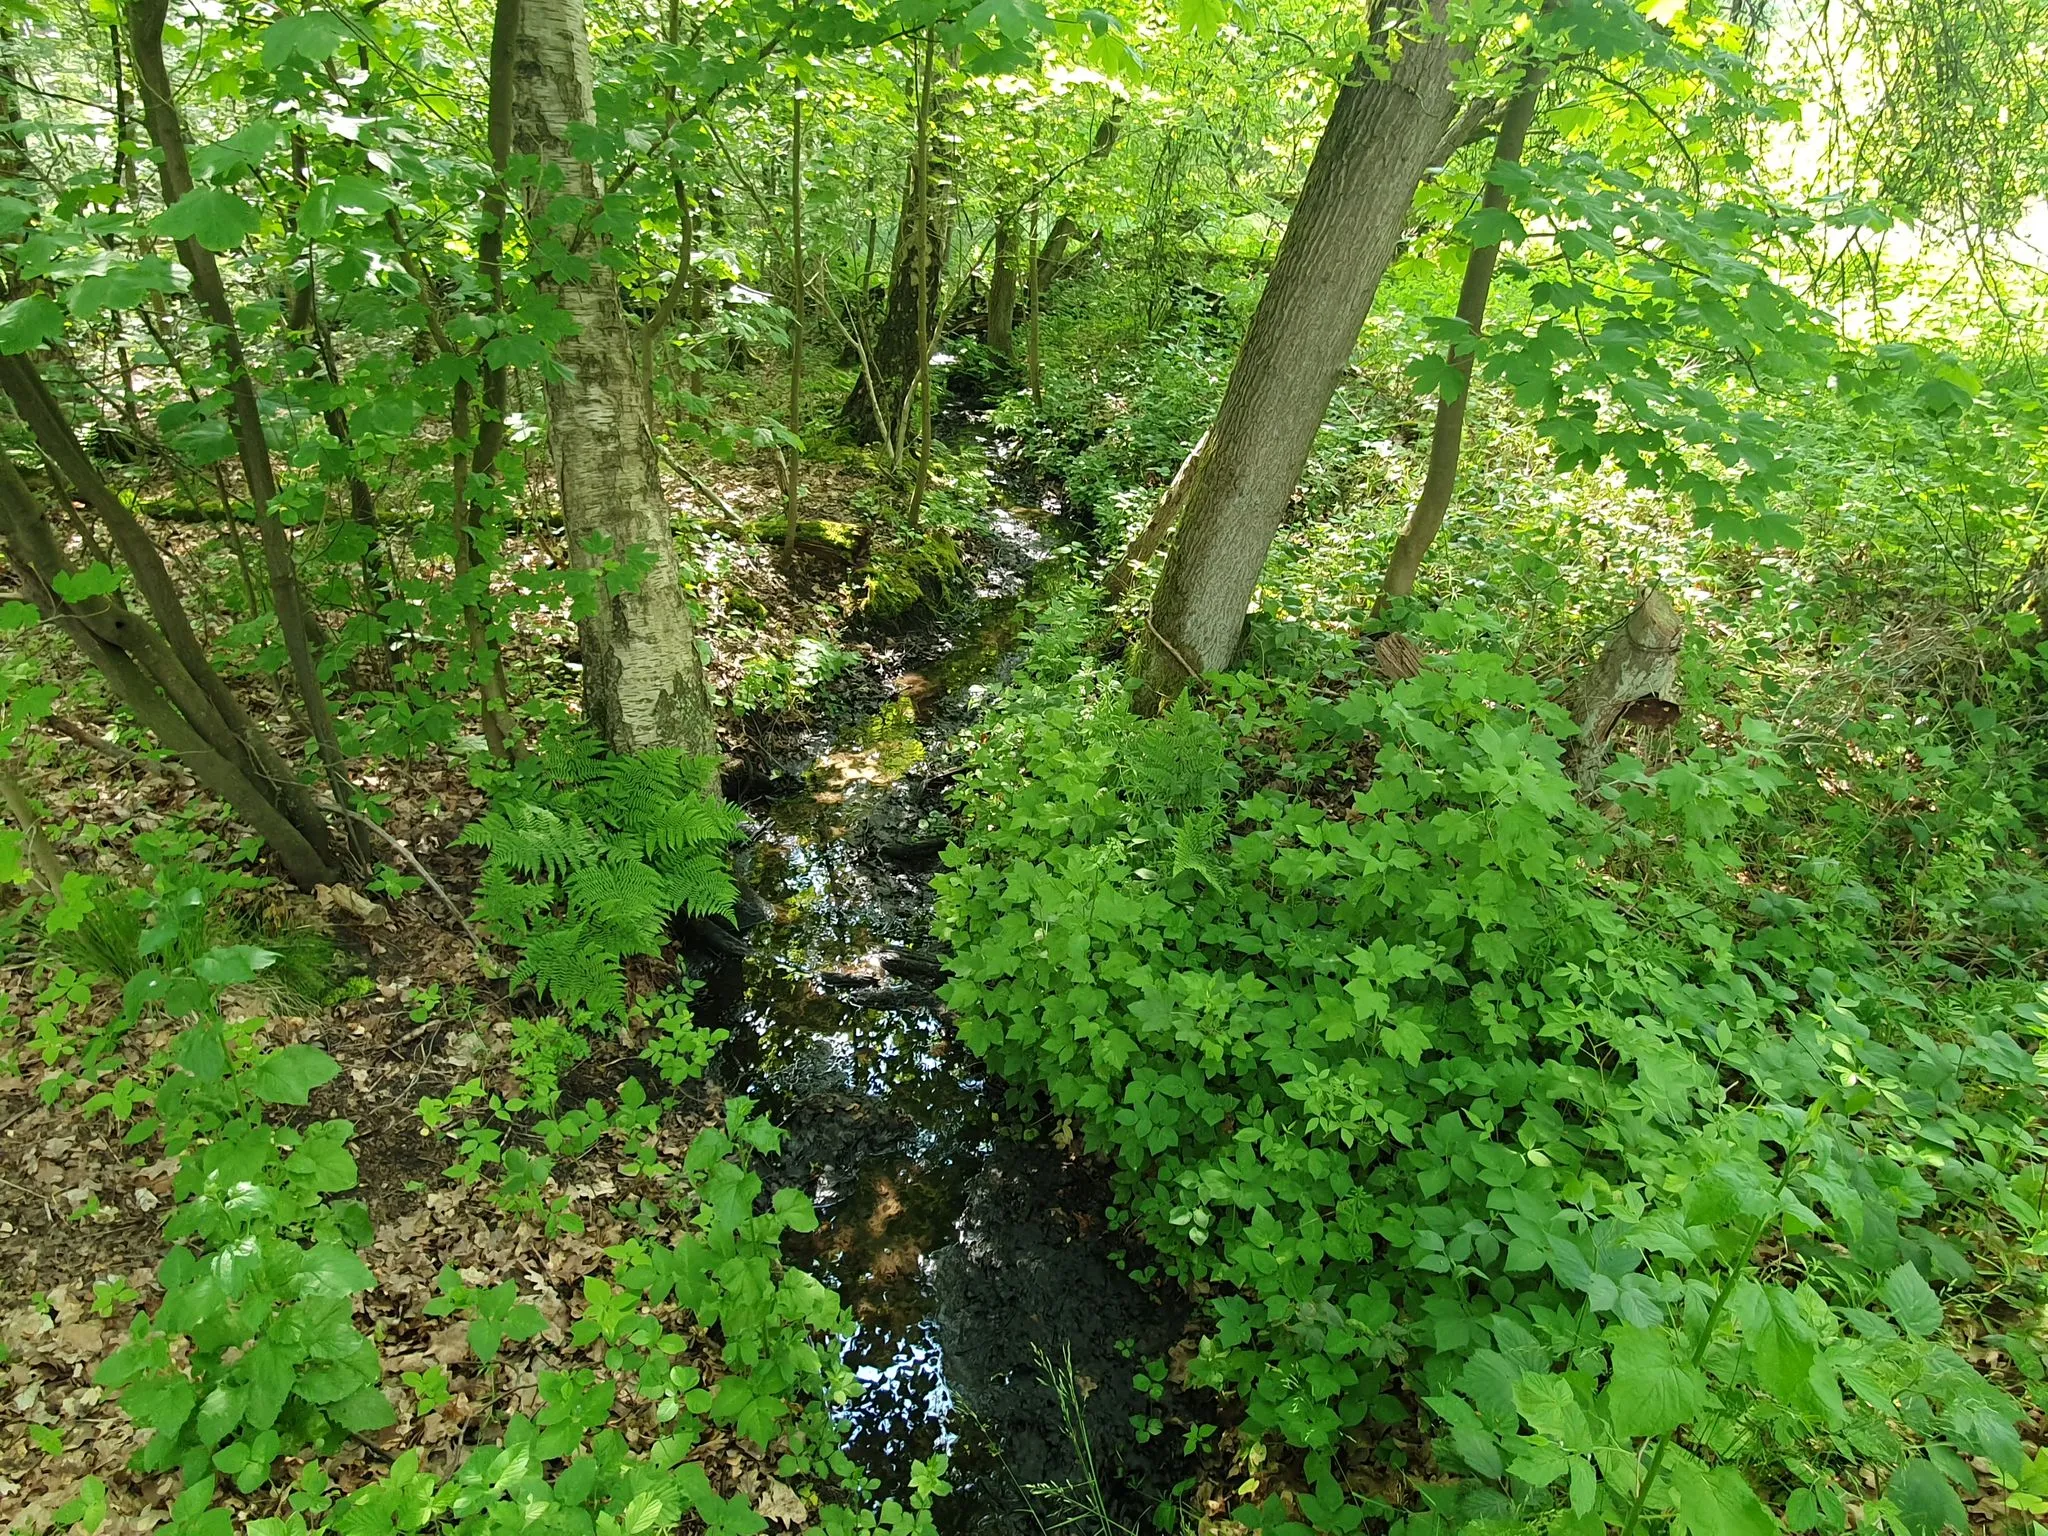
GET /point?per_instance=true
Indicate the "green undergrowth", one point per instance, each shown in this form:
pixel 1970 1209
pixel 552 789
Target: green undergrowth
pixel 1662 1154
pixel 261 1357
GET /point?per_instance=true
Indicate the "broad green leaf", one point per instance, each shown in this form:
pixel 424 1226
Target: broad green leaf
pixel 96 580
pixel 1651 1391
pixel 290 1075
pixel 306 39
pixel 18 615
pixel 29 323
pixel 213 216
pixel 1912 1301
pixel 1927 1505
pixel 231 965
pixel 1718 1501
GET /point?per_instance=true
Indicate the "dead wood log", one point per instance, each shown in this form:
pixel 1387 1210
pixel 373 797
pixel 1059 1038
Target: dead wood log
pixel 1633 680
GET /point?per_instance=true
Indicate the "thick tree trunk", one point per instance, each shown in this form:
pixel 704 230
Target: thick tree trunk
pixel 877 407
pixel 1633 679
pixel 1447 438
pixel 643 681
pixel 1002 287
pixel 1380 139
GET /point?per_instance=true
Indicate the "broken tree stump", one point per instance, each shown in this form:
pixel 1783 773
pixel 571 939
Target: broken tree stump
pixel 1633 680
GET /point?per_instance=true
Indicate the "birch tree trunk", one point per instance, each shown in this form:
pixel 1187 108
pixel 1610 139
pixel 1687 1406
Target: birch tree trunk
pixel 643 680
pixel 1381 137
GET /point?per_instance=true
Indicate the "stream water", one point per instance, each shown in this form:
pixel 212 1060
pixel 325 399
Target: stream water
pixel 969 1247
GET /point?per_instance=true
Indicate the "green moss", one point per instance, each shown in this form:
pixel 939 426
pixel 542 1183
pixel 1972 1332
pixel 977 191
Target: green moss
pixel 923 571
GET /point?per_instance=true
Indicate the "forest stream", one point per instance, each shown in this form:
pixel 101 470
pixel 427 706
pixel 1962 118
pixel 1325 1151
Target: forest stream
pixel 969 1247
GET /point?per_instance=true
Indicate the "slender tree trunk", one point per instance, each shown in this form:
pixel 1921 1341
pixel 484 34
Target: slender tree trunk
pixel 879 401
pixel 144 673
pixel 797 285
pixel 241 738
pixel 1002 285
pixel 928 276
pixel 43 855
pixel 1380 139
pixel 160 114
pixel 1447 437
pixel 1148 538
pixel 1031 373
pixel 643 680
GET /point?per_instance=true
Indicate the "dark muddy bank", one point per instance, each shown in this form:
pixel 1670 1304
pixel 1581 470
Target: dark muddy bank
pixel 968 1245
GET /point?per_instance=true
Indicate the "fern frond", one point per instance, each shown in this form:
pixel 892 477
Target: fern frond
pixel 623 898
pixel 533 840
pixel 698 883
pixel 564 967
pixel 506 905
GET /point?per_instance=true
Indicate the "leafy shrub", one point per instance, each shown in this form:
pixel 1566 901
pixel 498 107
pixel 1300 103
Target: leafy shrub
pixel 254 1352
pixel 590 857
pixel 1455 1090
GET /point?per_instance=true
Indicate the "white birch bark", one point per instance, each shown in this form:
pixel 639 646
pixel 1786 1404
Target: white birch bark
pixel 643 679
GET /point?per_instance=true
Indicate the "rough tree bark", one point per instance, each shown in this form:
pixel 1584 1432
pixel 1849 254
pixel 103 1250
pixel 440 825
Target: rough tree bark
pixel 798 282
pixel 1447 437
pixel 1632 680
pixel 1381 137
pixel 643 680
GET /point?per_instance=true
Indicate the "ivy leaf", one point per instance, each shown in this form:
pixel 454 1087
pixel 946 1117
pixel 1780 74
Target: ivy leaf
pixel 1927 1505
pixel 1912 1301
pixel 29 323
pixel 1651 1391
pixel 214 216
pixel 1718 1501
pixel 290 1075
pixel 308 38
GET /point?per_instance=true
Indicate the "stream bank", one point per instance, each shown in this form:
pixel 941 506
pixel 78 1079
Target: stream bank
pixel 994 1322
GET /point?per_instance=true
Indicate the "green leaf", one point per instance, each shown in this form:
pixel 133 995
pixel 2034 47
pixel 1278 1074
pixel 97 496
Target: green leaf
pixel 362 1411
pixel 308 38
pixel 1651 1392
pixel 96 580
pixel 1927 1505
pixel 290 1075
pixel 231 965
pixel 123 285
pixel 214 216
pixel 18 615
pixel 1782 1346
pixel 1912 1301
pixel 28 324
pixel 87 1507
pixel 1718 1501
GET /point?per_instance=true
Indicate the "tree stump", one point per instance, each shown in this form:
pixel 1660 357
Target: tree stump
pixel 1633 680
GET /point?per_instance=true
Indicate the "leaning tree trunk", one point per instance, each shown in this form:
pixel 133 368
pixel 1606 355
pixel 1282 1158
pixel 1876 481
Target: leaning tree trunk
pixel 1633 680
pixel 1381 137
pixel 876 407
pixel 643 681
pixel 1145 544
pixel 1447 437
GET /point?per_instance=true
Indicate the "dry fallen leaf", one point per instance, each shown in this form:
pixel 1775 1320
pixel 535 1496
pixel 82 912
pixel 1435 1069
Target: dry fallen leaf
pixel 782 1504
pixel 347 899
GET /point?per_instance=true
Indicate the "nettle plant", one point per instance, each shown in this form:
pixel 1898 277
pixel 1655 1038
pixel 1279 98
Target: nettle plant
pixel 1643 1196
pixel 589 858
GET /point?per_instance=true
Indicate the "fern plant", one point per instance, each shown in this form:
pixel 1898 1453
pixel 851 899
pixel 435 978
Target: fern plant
pixel 590 857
